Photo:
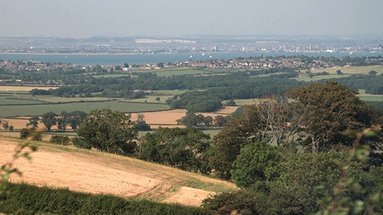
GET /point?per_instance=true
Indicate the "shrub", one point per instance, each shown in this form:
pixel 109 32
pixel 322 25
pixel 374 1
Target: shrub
pixel 24 133
pixel 80 143
pixel 26 199
pixel 63 140
pixel 33 134
pixel 240 202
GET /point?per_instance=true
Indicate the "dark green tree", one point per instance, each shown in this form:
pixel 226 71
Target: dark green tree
pixel 75 118
pixel 49 119
pixel 33 122
pixel 327 110
pixel 253 168
pixel 182 148
pixel 109 131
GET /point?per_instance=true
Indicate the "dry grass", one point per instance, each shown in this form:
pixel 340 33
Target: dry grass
pixel 96 172
pixel 23 88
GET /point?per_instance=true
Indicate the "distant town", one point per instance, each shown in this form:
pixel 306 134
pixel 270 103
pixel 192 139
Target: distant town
pixel 203 45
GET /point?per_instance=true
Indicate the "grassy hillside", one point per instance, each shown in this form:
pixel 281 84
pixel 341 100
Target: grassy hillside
pixel 102 173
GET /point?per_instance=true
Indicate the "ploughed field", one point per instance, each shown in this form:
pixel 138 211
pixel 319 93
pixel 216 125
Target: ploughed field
pixel 102 173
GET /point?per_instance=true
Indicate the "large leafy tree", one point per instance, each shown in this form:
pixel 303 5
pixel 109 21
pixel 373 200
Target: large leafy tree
pixel 253 168
pixel 49 119
pixel 329 109
pixel 181 148
pixel 109 131
pixel 75 118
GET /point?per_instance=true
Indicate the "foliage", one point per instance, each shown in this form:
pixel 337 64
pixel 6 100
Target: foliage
pixel 32 133
pixel 27 199
pixel 109 131
pixel 33 122
pixel 141 124
pixel 81 143
pixel 182 148
pixel 371 83
pixel 49 119
pixel 239 202
pixel 328 110
pixel 59 139
pixel 252 166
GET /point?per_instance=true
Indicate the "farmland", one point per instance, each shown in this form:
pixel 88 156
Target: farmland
pixel 79 170
pixel 39 109
pixel 352 70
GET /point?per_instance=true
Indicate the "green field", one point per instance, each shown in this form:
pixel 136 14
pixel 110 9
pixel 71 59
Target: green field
pixel 30 110
pixel 371 97
pixel 13 101
pixel 188 71
pixel 306 78
pixel 352 70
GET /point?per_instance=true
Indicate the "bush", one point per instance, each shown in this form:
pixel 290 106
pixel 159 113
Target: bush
pixel 26 199
pixel 24 133
pixel 33 134
pixel 63 140
pixel 242 202
pixel 254 166
pixel 80 143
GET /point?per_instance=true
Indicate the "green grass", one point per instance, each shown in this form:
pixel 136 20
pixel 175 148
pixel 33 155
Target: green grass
pixel 151 99
pixel 306 78
pixel 31 110
pixel 168 92
pixel 14 101
pixel 241 102
pixel 188 71
pixel 211 132
pixel 371 97
pixel 363 70
pixel 27 199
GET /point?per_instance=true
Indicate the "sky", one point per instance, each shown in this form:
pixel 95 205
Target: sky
pixel 120 18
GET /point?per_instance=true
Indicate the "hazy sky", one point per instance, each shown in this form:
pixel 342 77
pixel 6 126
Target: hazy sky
pixel 86 18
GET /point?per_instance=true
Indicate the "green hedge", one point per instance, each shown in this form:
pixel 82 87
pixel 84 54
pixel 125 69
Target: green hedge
pixel 26 199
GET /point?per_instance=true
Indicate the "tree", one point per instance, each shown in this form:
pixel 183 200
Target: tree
pixel 75 118
pixel 252 166
pixel 231 102
pixel 33 122
pixel 329 109
pixel 141 124
pixel 49 119
pixel 219 121
pixel 62 120
pixel 372 73
pixel 191 120
pixel 208 121
pixel 5 124
pixel 158 99
pixel 338 72
pixel 109 131
pixel 182 148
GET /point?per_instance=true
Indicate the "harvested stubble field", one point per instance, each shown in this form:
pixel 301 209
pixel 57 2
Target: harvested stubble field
pixel 102 173
pixel 23 88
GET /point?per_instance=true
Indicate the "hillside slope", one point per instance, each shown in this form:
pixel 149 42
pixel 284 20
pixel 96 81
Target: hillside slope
pixel 97 172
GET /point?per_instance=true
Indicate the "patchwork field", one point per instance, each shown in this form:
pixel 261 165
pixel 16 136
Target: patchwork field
pixel 39 109
pixel 96 172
